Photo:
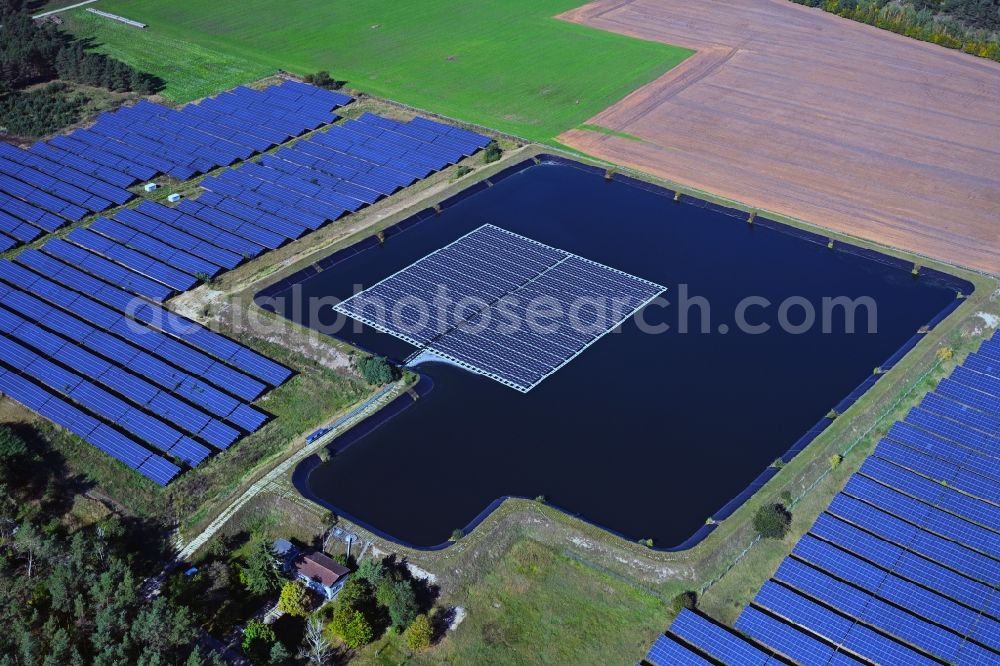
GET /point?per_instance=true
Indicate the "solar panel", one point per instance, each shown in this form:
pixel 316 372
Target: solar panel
pixel 153 247
pixel 945 450
pixel 789 641
pixel 497 268
pixel 159 470
pixel 881 583
pixel 104 269
pixel 961 413
pixel 924 516
pixel 902 563
pixel 119 446
pixel 715 640
pixel 226 378
pixel 953 431
pixel 668 652
pixel 872 611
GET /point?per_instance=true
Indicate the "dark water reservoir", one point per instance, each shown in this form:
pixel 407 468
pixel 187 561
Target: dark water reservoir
pixel 644 434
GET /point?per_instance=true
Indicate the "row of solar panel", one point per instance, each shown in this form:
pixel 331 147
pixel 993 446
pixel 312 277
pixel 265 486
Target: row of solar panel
pixel 301 187
pixel 141 376
pixel 86 172
pixel 254 370
pixel 76 185
pixel 100 435
pixel 252 210
pixel 214 133
pixel 40 194
pixel 148 352
pixel 903 566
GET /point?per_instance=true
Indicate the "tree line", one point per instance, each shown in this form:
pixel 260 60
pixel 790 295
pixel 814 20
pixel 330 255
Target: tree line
pixel 69 594
pixel 32 53
pixel 971 26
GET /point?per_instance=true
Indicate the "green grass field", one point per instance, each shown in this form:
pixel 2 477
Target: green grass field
pixel 507 65
pixel 537 606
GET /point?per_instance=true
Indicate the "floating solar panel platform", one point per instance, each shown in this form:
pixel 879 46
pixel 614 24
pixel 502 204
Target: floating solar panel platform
pixel 502 273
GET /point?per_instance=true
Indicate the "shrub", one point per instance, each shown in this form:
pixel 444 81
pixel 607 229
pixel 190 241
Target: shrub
pixel 684 600
pixel 258 639
pixel 835 460
pixel 294 599
pixel 492 152
pixel 351 626
pixel 323 80
pixel 40 112
pixel 377 370
pixel 456 534
pixel 418 636
pixel 462 171
pixel 772 521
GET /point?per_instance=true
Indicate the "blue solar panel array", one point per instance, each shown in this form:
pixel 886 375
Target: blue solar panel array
pixel 148 139
pixel 83 337
pixel 904 565
pixel 150 388
pixel 340 170
pixel 40 193
pixel 157 251
pixel 87 171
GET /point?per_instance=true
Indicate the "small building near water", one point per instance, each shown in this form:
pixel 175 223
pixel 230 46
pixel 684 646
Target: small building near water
pixel 319 572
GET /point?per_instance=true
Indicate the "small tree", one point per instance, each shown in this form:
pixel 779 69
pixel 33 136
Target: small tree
pixel 317 648
pixel 376 370
pixel 294 599
pixel 372 570
pixel 278 655
pixel 351 626
pixel 492 152
pixel 13 452
pixel 322 79
pixel 258 640
pixel 418 636
pixel 772 521
pixel 259 574
pixel 684 600
pixel 456 534
pixel 398 597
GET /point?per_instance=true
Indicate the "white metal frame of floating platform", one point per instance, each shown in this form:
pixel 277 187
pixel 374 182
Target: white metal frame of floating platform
pixel 429 348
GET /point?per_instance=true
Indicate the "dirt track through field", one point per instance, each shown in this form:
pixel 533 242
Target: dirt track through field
pixel 803 113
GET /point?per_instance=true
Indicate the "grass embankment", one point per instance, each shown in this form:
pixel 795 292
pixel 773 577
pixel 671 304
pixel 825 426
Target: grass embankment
pixel 537 606
pixel 505 65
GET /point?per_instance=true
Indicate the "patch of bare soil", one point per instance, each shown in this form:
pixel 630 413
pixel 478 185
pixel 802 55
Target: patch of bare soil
pixel 803 113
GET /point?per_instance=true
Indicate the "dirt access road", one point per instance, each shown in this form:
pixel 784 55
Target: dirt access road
pixel 804 113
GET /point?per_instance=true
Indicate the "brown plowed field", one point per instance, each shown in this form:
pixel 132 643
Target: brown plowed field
pixel 804 113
